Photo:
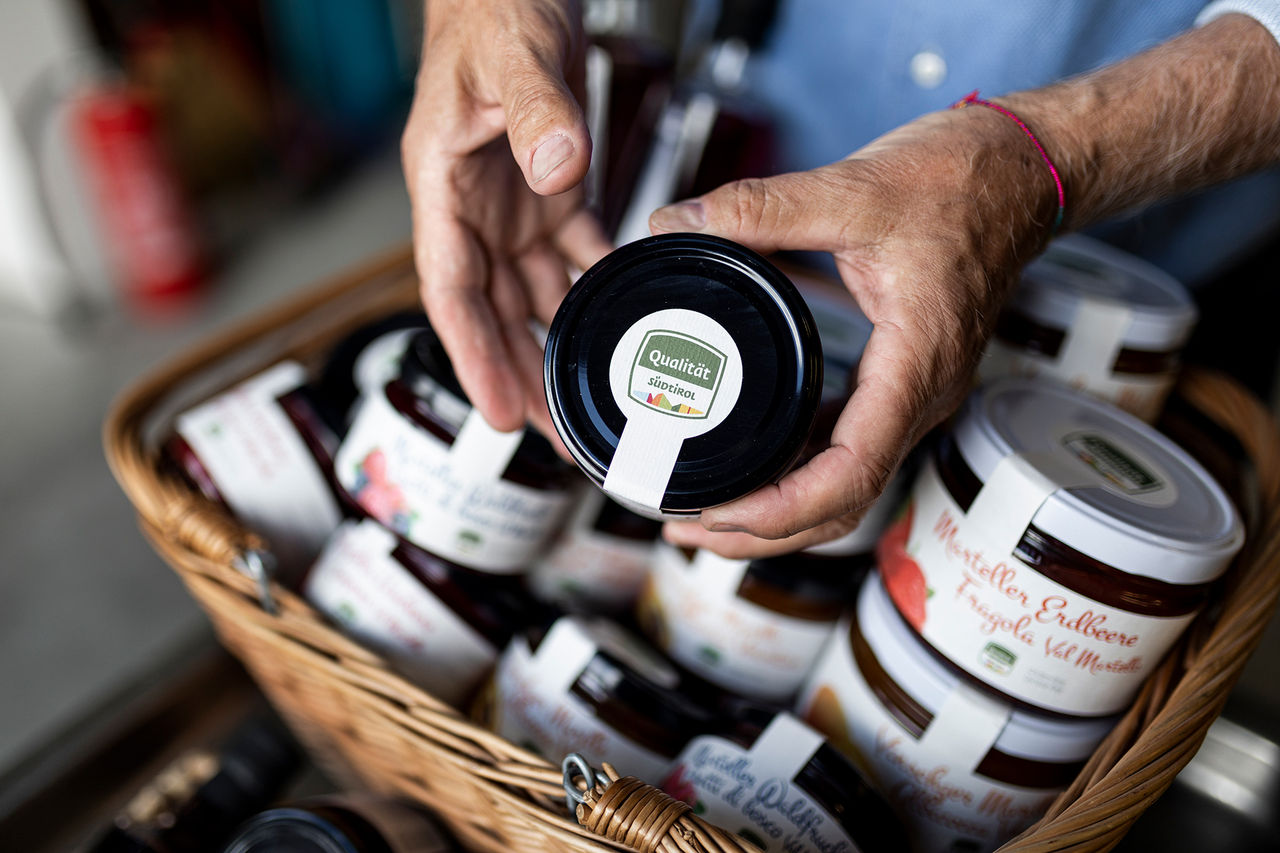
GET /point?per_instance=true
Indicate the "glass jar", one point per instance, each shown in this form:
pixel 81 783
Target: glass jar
pixel 440 624
pixel 682 372
pixel 964 769
pixel 601 559
pixel 1096 318
pixel 366 360
pixel 586 685
pixel 422 462
pixel 769 778
pixel 347 823
pixel 753 627
pixel 1055 547
pixel 262 451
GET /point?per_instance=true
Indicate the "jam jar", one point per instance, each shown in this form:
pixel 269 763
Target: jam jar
pixel 768 777
pixel 682 372
pixel 439 624
pixel 366 360
pixel 965 769
pixel 1099 319
pixel 262 450
pixel 421 461
pixel 752 627
pixel 600 561
pixel 587 685
pixel 342 823
pixel 1055 547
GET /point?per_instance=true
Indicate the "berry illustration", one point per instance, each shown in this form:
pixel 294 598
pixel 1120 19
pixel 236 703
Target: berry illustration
pixel 901 574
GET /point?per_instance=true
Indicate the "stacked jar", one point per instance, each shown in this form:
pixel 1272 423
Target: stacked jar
pixel 1096 318
pixel 455 515
pixel 263 451
pixel 1053 550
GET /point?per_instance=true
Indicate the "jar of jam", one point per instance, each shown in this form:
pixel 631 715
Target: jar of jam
pixel 345 823
pixel 963 768
pixel 682 372
pixel 421 461
pixel 586 685
pixel 366 360
pixel 1096 318
pixel 1055 547
pixel 600 560
pixel 440 624
pixel 753 627
pixel 262 451
pixel 766 776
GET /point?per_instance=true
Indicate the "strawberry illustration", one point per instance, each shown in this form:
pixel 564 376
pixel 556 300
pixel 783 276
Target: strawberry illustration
pixel 679 787
pixel 901 574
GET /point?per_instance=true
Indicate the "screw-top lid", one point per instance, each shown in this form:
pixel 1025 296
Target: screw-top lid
pixel 1075 269
pixel 929 681
pixel 682 372
pixel 1123 493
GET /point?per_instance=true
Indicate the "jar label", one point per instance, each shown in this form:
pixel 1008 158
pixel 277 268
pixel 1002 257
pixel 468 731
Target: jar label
pixel 359 584
pixel 590 567
pixel 261 465
pixel 535 709
pixel 445 502
pixel 929 779
pixel 692 610
pixel 956 581
pixel 675 374
pixel 1086 360
pixel 752 793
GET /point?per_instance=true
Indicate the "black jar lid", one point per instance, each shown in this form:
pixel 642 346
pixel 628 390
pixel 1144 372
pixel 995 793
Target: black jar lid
pixel 759 327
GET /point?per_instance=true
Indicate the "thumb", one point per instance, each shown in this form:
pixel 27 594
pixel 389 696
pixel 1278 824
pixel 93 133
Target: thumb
pixel 801 211
pixel 545 126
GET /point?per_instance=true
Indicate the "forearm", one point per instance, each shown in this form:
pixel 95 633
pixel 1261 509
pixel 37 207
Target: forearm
pixel 1199 109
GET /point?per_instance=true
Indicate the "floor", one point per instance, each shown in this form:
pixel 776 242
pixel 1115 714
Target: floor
pixel 85 605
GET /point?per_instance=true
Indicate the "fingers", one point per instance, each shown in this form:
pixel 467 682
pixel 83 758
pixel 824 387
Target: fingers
pixel 453 267
pixel 582 239
pixel 887 413
pixel 744 546
pixel 807 211
pixel 545 125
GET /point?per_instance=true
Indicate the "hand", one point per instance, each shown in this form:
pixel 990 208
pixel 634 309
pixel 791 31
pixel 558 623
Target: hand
pixel 494 150
pixel 928 227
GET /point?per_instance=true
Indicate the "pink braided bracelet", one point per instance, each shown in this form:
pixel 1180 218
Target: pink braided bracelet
pixel 972 98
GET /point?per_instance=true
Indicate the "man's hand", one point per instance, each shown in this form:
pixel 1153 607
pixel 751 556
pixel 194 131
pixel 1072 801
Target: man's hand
pixel 930 224
pixel 928 227
pixel 494 150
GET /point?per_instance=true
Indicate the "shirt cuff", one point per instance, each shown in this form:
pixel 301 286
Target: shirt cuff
pixel 1265 12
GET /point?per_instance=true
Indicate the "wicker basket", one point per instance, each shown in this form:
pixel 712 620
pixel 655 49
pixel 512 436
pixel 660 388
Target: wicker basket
pixel 371 727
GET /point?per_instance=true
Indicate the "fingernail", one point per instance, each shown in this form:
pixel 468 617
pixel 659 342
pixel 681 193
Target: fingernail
pixel 549 155
pixel 722 527
pixel 682 216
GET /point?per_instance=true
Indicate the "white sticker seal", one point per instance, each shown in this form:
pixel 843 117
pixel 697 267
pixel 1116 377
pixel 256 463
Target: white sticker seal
pixel 675 374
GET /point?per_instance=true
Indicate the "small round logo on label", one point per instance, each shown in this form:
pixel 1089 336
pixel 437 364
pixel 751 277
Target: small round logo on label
pixel 676 374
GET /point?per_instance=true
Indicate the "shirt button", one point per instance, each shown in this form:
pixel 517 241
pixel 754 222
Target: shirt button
pixel 928 69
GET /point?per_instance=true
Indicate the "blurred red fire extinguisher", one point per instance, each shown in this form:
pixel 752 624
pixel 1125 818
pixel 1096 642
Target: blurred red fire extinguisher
pixel 144 218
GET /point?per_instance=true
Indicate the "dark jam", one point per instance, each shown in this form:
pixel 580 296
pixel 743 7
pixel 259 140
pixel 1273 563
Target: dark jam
pixel 914 717
pixel 426 372
pixel 1021 331
pixel 1065 565
pixel 827 778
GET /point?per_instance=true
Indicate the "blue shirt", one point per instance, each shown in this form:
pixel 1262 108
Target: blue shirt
pixel 838 73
